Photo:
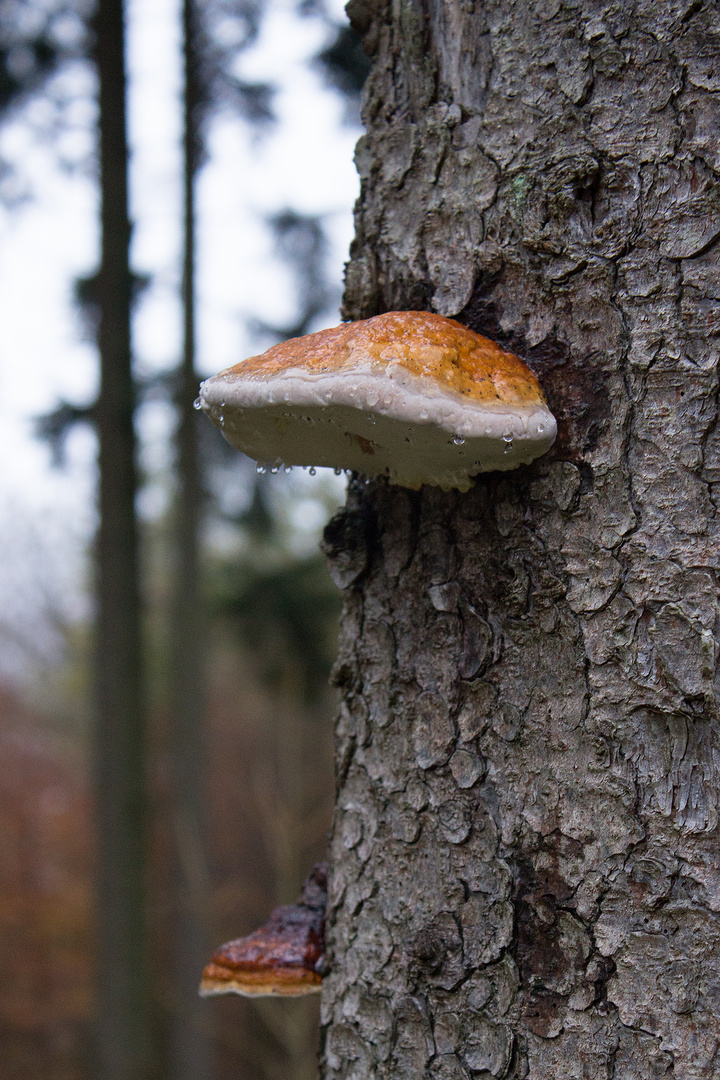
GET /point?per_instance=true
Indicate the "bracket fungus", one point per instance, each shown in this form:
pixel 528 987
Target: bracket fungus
pixel 284 958
pixel 409 395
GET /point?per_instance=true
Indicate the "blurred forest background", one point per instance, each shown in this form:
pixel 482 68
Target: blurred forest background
pixel 211 568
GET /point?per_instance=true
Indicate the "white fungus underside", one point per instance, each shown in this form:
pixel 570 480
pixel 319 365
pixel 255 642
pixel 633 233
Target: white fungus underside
pixel 260 990
pixel 380 425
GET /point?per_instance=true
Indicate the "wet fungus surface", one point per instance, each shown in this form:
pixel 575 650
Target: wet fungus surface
pixel 409 395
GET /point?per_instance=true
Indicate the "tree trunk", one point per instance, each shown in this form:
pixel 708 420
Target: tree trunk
pixel 191 1042
pixel 123 1005
pixel 525 878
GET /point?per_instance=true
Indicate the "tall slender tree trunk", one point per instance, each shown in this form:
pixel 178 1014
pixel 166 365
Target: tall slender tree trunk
pixel 124 1015
pixel 525 878
pixel 190 1052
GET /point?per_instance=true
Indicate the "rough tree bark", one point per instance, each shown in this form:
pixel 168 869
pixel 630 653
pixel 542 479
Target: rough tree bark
pixel 525 877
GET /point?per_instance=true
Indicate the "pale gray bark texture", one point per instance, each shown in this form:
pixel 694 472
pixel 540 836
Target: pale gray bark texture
pixel 525 872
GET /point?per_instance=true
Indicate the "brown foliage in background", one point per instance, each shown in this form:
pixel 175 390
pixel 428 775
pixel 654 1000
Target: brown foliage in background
pixel 269 803
pixel 45 902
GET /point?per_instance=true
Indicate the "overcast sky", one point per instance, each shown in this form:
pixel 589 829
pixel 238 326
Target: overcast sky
pixel 303 163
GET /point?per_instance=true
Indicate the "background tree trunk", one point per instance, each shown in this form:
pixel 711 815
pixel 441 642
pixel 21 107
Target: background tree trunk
pixel 191 1041
pixel 123 1003
pixel 525 877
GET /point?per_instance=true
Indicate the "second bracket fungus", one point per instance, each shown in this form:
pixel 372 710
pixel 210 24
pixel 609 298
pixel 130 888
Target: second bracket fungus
pixel 408 395
pixel 284 958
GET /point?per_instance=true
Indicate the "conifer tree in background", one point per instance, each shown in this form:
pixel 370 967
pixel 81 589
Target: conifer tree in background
pixel 206 85
pixel 34 42
pixel 124 1023
pixel 190 1055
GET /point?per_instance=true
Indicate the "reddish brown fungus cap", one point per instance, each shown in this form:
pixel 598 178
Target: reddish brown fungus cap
pixel 283 958
pixel 409 395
